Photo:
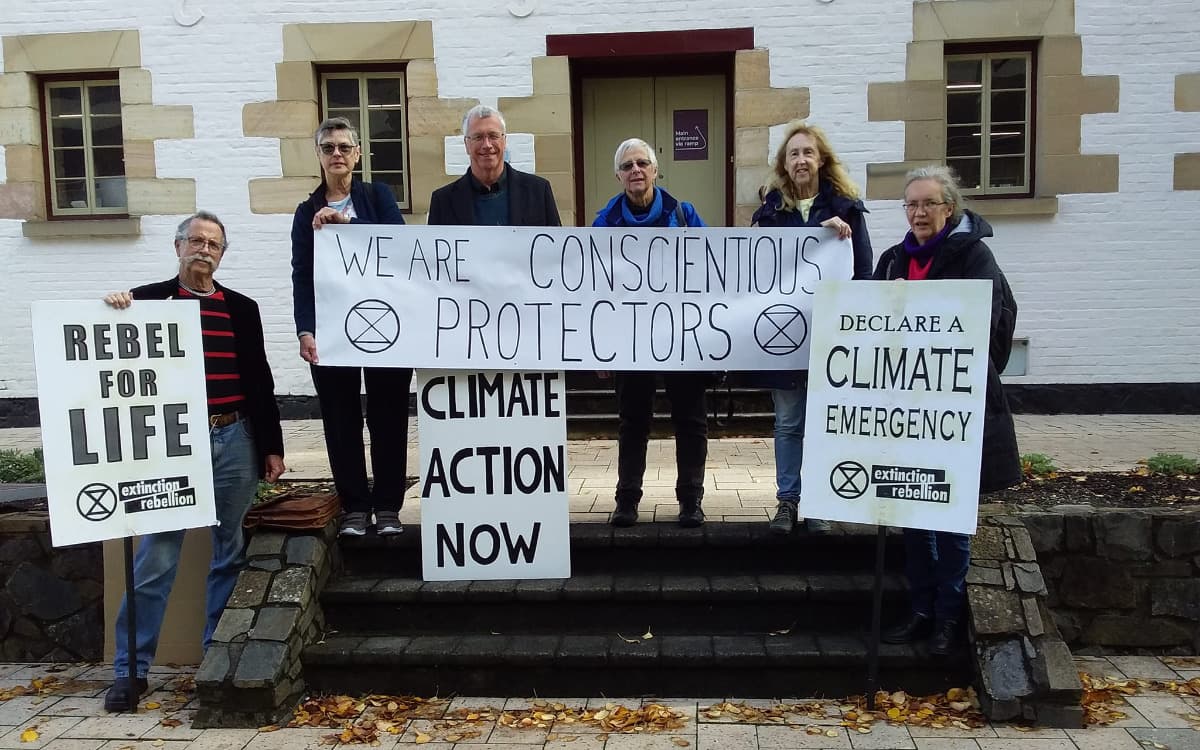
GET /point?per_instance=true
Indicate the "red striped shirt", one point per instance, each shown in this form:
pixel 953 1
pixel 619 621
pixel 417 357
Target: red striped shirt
pixel 223 382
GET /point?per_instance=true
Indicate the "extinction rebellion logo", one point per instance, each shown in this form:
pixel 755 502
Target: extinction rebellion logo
pixel 849 481
pixel 156 494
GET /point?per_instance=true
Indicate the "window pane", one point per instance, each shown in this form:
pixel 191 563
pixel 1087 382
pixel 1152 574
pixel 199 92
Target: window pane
pixel 967 171
pixel 384 91
pixel 1008 107
pixel 1008 139
pixel 69 162
pixel 1008 73
pixel 386 123
pixel 71 193
pixel 65 101
pixel 110 192
pixel 66 131
pixel 106 131
pixel 387 155
pixel 341 92
pixel 394 180
pixel 963 141
pixel 104 99
pixel 349 114
pixel 109 161
pixel 1007 171
pixel 964 72
pixel 962 109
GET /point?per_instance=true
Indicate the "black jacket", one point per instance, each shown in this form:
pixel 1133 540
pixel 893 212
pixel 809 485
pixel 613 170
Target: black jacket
pixel 964 255
pixel 530 202
pixel 257 384
pixel 373 204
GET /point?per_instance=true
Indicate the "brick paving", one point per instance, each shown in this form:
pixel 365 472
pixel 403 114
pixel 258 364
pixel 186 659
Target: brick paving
pixel 75 720
pixel 740 480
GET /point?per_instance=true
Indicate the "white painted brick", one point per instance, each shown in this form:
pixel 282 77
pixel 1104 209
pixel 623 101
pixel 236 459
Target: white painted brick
pixel 1107 287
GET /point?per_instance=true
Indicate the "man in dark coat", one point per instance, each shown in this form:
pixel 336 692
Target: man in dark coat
pixel 244 433
pixel 492 193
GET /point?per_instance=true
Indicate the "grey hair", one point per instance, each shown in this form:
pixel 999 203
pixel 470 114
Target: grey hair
pixel 181 231
pixel 331 124
pixel 627 145
pixel 945 178
pixel 480 111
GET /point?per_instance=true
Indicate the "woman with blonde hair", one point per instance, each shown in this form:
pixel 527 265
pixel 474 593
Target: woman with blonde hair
pixel 809 187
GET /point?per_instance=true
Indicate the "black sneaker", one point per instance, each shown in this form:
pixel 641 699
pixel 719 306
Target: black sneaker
pixel 785 518
pixel 817 526
pixel 626 514
pixel 118 700
pixel 691 515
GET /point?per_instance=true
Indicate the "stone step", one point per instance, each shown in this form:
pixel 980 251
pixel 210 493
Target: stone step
pixel 604 603
pixel 665 548
pixel 799 664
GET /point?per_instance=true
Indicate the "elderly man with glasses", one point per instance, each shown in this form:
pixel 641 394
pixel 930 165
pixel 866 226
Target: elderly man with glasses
pixel 244 433
pixel 492 193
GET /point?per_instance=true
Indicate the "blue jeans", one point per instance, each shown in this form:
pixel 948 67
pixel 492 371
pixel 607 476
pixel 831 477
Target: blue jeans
pixel 789 441
pixel 936 564
pixel 235 480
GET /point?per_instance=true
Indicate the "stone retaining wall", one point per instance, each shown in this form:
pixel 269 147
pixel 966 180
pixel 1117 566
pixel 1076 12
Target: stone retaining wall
pixel 1121 579
pixel 51 600
pixel 251 675
pixel 1024 668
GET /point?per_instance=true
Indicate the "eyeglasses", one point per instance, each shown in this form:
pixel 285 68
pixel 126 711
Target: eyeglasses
pixel 345 149
pixel 492 137
pixel 926 206
pixel 641 164
pixel 199 243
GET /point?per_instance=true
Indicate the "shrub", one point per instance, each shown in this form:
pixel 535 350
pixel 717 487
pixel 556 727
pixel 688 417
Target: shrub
pixel 19 466
pixel 1038 465
pixel 1171 464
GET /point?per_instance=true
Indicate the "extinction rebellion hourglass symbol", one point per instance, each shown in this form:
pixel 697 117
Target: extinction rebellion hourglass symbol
pixel 372 326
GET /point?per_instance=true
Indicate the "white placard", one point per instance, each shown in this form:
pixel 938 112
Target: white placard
pixel 493 475
pixel 896 390
pixel 124 418
pixel 529 298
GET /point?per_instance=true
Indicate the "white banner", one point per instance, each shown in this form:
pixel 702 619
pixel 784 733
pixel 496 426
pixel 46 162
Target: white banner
pixel 493 475
pixel 526 298
pixel 896 388
pixel 124 418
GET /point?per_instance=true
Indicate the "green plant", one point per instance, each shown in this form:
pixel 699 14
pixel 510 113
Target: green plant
pixel 19 466
pixel 1038 465
pixel 1171 464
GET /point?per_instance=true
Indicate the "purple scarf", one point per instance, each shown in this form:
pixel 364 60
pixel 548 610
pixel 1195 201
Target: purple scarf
pixel 924 252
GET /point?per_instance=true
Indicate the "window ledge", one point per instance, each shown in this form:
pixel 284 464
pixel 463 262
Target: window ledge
pixel 82 229
pixel 1015 206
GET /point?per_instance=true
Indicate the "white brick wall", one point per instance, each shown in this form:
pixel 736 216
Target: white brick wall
pixel 1107 288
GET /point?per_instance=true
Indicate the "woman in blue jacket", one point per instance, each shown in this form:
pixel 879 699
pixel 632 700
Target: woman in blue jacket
pixel 342 198
pixel 809 188
pixel 642 204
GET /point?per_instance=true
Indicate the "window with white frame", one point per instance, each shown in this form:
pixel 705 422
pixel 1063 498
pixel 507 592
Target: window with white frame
pixel 989 124
pixel 375 103
pixel 85 152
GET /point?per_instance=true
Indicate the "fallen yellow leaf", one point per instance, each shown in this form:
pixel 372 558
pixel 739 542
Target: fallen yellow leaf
pixel 153 705
pixel 422 738
pixel 30 735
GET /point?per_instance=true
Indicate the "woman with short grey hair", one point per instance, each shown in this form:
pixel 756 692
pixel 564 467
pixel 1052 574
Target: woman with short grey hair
pixel 343 198
pixel 945 241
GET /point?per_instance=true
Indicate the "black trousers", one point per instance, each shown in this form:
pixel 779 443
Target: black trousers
pixel 387 421
pixel 689 415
